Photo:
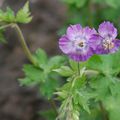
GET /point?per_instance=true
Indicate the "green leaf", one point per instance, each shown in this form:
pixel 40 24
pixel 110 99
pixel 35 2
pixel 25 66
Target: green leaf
pixel 115 88
pixel 112 106
pixel 100 87
pixel 33 73
pixel 68 110
pixel 41 57
pixel 7 16
pixel 64 71
pixel 46 83
pixel 26 82
pixel 79 82
pixel 94 115
pixel 46 80
pixel 55 62
pixel 23 15
pixel 48 87
pixel 94 62
pixel 105 64
pixel 74 65
pixel 65 87
pixel 81 98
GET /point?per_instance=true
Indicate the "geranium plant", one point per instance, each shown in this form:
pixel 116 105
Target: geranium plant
pixel 85 81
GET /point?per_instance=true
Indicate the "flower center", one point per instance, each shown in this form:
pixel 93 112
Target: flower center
pixel 81 44
pixel 108 44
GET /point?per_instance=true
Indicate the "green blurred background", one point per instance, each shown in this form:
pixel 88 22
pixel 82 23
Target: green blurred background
pixel 92 12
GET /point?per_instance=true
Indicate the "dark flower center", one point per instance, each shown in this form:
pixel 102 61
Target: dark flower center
pixel 81 44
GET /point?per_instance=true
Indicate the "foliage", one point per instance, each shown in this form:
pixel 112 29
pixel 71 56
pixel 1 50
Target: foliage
pixel 8 17
pixel 106 86
pixel 22 16
pixel 78 92
pixel 88 90
pixel 43 75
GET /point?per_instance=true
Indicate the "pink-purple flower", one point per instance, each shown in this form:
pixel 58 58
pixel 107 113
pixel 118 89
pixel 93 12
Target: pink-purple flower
pixel 75 43
pixel 81 43
pixel 105 41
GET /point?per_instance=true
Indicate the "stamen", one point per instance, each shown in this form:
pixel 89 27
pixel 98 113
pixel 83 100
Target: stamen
pixel 111 45
pixel 81 44
pixel 108 45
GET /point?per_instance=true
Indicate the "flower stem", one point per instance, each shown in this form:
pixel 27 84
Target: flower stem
pixel 6 26
pixel 105 116
pixel 78 68
pixel 23 44
pixel 22 41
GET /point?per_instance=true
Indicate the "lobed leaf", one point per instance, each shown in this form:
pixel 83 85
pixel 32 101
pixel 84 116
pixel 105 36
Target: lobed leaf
pixel 7 16
pixel 41 57
pixel 24 15
pixel 64 71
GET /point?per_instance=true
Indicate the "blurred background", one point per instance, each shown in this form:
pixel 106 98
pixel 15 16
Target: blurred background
pixel 50 20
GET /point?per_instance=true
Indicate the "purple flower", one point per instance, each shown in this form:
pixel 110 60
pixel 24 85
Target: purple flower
pixel 105 41
pixel 75 43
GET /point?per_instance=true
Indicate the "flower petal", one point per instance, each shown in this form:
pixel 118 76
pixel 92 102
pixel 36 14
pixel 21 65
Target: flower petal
pixel 107 29
pixel 65 44
pixel 88 32
pixel 95 41
pixel 73 31
pixel 80 56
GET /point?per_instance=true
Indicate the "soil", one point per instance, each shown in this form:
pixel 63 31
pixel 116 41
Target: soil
pixel 16 102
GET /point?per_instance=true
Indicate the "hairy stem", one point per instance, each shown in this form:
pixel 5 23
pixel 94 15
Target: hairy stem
pixel 6 26
pixel 105 116
pixel 22 41
pixel 23 44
